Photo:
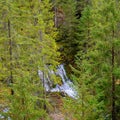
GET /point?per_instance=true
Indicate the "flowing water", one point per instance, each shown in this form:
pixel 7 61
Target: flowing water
pixel 66 87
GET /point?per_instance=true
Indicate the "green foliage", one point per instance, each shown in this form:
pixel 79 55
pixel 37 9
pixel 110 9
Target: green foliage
pixel 67 30
pixel 89 38
pixel 95 68
pixel 27 43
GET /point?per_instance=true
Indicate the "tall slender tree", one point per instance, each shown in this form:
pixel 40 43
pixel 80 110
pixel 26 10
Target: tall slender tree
pixel 100 58
pixel 97 65
pixel 108 35
pixel 30 42
pixel 87 102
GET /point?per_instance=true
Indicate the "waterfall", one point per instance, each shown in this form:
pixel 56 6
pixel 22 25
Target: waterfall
pixel 45 80
pixel 61 72
pixel 66 87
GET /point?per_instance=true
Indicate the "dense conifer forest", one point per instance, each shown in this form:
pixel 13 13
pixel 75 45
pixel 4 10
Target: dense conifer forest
pixel 60 59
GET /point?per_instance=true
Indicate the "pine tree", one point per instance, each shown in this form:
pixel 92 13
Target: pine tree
pixel 108 34
pixel 99 63
pixel 31 37
pixel 87 102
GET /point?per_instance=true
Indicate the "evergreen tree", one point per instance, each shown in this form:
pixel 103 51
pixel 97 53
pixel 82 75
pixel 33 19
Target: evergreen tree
pixel 87 102
pixel 99 63
pixel 108 35
pixel 30 40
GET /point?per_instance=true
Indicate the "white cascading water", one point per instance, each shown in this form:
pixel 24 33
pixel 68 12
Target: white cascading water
pixel 67 86
pixel 45 80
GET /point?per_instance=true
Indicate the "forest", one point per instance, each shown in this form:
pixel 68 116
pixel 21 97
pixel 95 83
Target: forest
pixel 59 59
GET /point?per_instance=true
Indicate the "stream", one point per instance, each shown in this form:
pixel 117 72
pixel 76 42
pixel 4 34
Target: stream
pixel 67 86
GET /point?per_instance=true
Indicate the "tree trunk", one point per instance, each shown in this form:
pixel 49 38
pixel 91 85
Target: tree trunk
pixel 113 84
pixel 44 92
pixel 55 18
pixel 10 53
pixel 83 112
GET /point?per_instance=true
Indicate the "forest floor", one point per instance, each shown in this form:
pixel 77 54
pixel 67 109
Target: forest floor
pixel 58 113
pixel 57 104
pixel 57 116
